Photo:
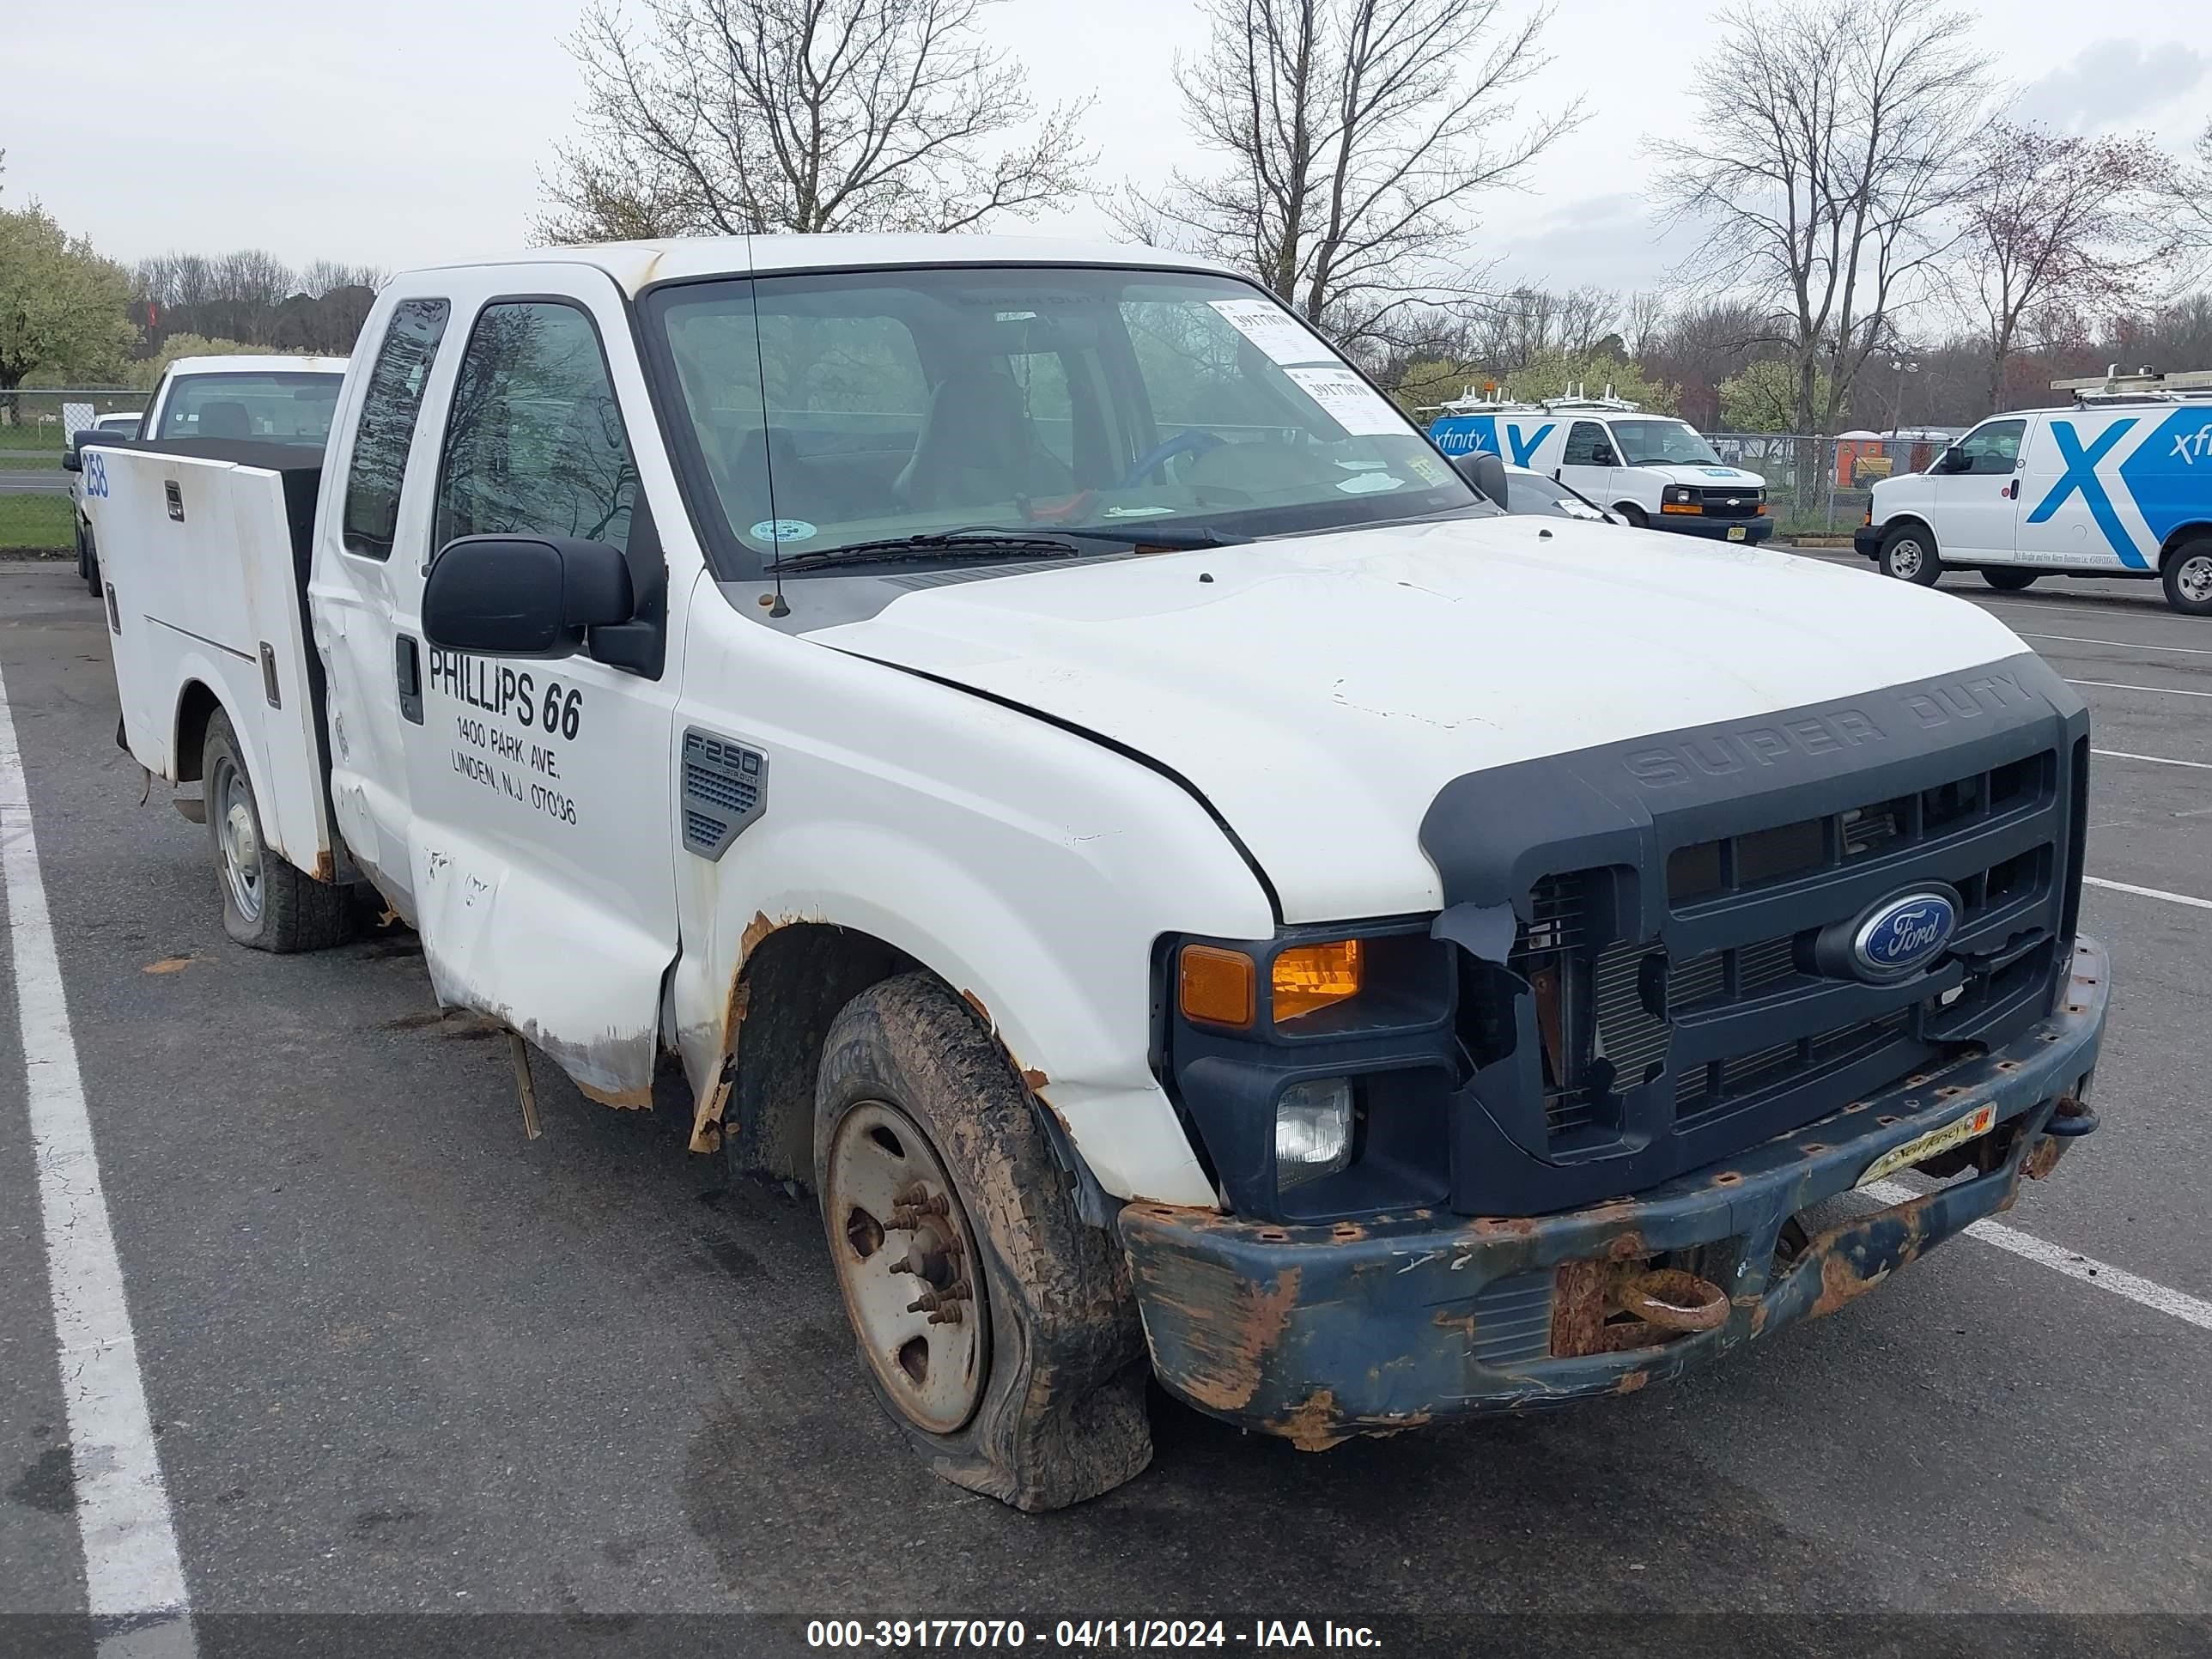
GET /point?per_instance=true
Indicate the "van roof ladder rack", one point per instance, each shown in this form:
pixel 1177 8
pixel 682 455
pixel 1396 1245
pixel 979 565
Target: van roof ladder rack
pixel 2144 384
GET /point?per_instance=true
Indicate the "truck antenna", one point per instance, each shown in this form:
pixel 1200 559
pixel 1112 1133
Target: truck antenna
pixel 768 450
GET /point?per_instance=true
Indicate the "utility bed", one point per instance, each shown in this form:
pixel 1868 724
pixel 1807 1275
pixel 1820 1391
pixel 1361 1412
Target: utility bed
pixel 205 549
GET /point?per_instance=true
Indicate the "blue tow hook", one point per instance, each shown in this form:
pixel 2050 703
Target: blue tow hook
pixel 2072 1120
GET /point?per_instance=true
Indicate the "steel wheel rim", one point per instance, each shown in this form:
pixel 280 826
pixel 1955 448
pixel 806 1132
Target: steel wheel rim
pixel 2194 578
pixel 908 1266
pixel 239 840
pixel 1905 559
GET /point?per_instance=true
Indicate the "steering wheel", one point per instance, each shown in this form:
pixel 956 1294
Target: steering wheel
pixel 1184 443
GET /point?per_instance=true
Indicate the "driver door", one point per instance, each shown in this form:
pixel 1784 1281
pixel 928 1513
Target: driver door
pixel 1977 494
pixel 542 845
pixel 1589 462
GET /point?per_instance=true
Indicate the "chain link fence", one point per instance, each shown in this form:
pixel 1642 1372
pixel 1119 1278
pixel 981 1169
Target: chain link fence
pixel 1821 486
pixel 35 422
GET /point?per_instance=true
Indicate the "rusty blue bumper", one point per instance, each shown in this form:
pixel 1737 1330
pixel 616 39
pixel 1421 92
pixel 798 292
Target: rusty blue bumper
pixel 1318 1332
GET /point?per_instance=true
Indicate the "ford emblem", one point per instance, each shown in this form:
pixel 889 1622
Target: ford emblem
pixel 1900 935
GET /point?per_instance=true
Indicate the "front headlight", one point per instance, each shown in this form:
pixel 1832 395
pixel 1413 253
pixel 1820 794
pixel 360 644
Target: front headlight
pixel 1313 1131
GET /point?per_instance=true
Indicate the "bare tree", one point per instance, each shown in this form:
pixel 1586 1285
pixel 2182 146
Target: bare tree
pixel 2059 231
pixel 318 277
pixel 1589 318
pixel 2188 200
pixel 1826 162
pixel 1642 322
pixel 1356 135
pixel 737 116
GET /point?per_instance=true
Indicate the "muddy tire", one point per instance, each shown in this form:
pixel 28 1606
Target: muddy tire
pixel 1053 1410
pixel 1908 553
pixel 2189 578
pixel 2009 579
pixel 1633 515
pixel 267 904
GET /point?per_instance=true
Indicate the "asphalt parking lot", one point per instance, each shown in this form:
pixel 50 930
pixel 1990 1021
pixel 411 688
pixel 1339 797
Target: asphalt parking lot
pixel 400 1360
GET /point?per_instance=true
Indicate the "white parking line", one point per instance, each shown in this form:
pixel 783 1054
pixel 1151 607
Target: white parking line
pixel 2155 760
pixel 134 1576
pixel 2166 690
pixel 2148 892
pixel 2191 1309
pixel 2117 645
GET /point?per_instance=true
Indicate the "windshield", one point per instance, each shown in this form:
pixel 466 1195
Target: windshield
pixel 1662 443
pixel 1532 492
pixel 870 406
pixel 275 406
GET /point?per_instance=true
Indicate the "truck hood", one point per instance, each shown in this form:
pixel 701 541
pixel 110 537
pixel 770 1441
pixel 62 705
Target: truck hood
pixel 1319 690
pixel 1708 477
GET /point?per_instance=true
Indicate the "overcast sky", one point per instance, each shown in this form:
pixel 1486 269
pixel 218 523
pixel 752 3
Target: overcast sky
pixel 403 131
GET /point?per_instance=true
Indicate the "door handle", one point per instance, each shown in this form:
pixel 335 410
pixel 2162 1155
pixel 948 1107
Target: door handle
pixel 407 664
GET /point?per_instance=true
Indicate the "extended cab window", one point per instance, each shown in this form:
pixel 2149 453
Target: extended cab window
pixel 1991 448
pixel 386 426
pixel 1588 445
pixel 535 445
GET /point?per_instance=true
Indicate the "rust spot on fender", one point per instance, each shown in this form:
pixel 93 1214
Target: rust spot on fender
pixel 1510 1226
pixel 1221 1325
pixel 756 929
pixel 982 1013
pixel 1313 1426
pixel 707 1117
pixel 638 1099
pixel 326 868
pixel 1035 1080
pixel 1446 1320
pixel 1631 1382
pixel 1626 1245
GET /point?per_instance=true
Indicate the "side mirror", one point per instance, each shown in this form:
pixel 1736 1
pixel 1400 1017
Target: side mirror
pixel 71 461
pixel 1955 460
pixel 523 595
pixel 1485 471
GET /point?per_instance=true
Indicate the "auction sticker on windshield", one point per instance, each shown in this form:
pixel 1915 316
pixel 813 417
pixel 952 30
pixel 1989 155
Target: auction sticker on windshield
pixel 1354 405
pixel 1272 329
pixel 1975 1124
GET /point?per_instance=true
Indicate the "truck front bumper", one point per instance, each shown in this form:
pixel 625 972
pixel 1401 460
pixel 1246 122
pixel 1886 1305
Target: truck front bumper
pixel 1866 541
pixel 1754 530
pixel 1322 1331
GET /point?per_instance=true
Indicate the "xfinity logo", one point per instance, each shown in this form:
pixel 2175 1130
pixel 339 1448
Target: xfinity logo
pixel 2190 444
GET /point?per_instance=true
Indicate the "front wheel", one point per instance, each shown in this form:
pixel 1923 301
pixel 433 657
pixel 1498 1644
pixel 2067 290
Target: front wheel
pixel 1908 553
pixel 2007 580
pixel 1633 515
pixel 996 1330
pixel 267 903
pixel 2189 578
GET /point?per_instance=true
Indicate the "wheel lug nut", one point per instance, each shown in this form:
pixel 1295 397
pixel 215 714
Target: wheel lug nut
pixel 946 1316
pixel 927 1302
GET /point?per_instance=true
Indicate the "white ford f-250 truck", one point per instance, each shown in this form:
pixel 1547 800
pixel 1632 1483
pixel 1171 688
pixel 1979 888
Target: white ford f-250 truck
pixel 1072 775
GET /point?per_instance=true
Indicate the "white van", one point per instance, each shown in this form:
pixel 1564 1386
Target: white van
pixel 1650 470
pixel 2117 483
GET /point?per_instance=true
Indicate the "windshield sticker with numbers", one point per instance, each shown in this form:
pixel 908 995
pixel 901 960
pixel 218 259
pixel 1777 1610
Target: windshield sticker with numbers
pixel 1352 403
pixel 1274 330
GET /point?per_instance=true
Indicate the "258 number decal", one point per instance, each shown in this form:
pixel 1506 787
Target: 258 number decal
pixel 561 711
pixel 95 474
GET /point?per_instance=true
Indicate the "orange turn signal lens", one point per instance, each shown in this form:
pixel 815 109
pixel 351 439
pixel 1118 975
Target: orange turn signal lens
pixel 1216 985
pixel 1311 976
pixel 1680 507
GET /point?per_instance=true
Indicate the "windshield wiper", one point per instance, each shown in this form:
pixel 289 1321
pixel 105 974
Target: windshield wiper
pixel 986 543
